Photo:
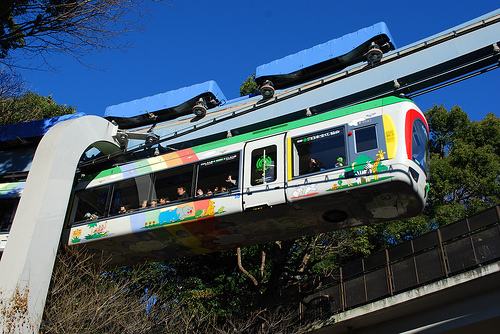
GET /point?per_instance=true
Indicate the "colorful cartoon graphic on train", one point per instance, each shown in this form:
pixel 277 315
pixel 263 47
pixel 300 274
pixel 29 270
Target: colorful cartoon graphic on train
pixel 185 212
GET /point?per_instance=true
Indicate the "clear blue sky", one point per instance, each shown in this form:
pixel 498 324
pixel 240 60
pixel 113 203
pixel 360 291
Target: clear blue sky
pixel 181 43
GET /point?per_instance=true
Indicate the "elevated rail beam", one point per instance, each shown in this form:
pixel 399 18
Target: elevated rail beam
pixel 454 55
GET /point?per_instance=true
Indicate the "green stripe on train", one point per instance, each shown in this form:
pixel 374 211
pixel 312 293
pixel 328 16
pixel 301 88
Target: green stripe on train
pixel 300 123
pixel 276 129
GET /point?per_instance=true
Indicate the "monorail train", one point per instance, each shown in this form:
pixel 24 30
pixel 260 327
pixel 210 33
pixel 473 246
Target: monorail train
pixel 126 205
pixel 361 164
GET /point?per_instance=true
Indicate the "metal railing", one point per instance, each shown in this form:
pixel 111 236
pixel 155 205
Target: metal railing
pixel 444 252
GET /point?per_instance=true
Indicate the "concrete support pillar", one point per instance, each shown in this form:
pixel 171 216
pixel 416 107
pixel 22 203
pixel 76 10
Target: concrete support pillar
pixel 27 262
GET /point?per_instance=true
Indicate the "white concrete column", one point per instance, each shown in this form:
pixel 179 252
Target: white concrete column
pixel 28 259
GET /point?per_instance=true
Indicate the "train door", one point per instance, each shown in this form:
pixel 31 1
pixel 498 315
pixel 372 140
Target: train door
pixel 264 172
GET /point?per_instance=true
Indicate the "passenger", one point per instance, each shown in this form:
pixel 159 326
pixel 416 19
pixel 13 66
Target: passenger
pixel 340 162
pixel 199 192
pixel 144 204
pixel 314 165
pixel 91 216
pixel 216 190
pixel 123 209
pixel 209 192
pixel 164 201
pixel 181 193
pixel 223 189
pixel 153 204
pixel 232 182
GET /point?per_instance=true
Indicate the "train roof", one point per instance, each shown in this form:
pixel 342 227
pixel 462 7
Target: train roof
pixel 163 106
pixel 189 155
pixel 330 56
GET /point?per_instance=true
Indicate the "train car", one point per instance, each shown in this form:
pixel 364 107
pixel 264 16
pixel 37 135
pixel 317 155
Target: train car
pixel 356 165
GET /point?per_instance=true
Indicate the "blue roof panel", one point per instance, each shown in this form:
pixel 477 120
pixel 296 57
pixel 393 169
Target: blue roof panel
pixel 323 52
pixel 32 129
pixel 164 101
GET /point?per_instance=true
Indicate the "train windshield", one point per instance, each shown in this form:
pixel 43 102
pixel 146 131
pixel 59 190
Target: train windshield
pixel 420 145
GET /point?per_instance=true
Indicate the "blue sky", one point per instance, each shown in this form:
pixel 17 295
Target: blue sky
pixel 180 43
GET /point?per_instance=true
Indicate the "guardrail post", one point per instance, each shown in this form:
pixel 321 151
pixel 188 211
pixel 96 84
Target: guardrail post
pixel 390 284
pixel 342 291
pixel 444 258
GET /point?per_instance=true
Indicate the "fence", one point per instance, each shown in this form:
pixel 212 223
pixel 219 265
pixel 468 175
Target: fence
pixel 444 252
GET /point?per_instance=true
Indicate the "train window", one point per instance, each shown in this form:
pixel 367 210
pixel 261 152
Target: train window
pixel 131 194
pixel 90 204
pixel 8 208
pixel 366 139
pixel 263 165
pixel 419 144
pixel 320 151
pixel 173 184
pixel 218 175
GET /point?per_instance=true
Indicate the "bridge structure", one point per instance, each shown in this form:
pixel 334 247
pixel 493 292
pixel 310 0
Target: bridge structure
pixel 446 58
pixel 445 281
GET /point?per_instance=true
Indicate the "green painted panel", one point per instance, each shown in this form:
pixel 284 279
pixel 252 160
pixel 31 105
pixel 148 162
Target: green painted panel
pixel 300 123
pixel 274 130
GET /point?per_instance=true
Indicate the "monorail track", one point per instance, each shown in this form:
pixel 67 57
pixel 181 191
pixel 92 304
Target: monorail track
pixel 457 54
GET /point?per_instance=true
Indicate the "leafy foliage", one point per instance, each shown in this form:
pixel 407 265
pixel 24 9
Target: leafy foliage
pixel 465 164
pixel 30 106
pixel 249 86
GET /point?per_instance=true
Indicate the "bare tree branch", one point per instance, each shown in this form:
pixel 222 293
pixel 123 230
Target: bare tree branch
pixel 262 263
pixel 243 270
pixel 11 84
pixel 68 26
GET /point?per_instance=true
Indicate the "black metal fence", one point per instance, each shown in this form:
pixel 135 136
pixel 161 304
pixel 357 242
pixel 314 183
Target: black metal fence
pixel 444 252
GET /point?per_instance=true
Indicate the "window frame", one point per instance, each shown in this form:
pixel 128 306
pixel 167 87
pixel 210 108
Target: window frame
pixel 152 177
pixel 356 140
pixel 74 206
pixel 239 157
pixel 195 166
pixel 191 193
pixel 275 146
pixel 296 157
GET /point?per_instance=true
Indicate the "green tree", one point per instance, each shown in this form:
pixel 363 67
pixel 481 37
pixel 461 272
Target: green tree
pixel 465 164
pixel 30 106
pixel 249 86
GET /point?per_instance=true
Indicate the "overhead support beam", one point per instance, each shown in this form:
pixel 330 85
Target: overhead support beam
pixel 28 259
pixel 450 55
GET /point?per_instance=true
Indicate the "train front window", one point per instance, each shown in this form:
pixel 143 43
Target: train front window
pixel 8 208
pixel 131 194
pixel 90 204
pixel 173 184
pixel 263 165
pixel 366 139
pixel 319 151
pixel 218 175
pixel 419 144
